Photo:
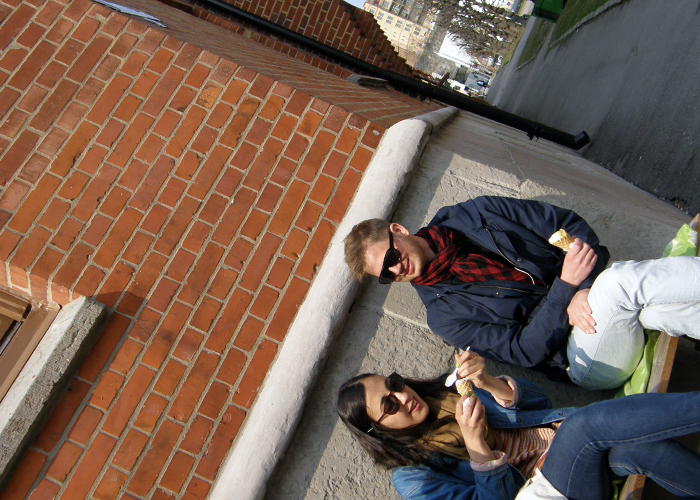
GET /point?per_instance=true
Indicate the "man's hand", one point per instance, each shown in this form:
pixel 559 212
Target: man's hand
pixel 578 263
pixel 580 312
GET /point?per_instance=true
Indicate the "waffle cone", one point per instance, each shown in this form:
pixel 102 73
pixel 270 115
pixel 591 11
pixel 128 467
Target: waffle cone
pixel 464 387
pixel 561 239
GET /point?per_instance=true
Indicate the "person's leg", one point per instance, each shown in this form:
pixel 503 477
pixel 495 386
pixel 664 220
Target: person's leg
pixel 577 462
pixel 672 465
pixel 661 294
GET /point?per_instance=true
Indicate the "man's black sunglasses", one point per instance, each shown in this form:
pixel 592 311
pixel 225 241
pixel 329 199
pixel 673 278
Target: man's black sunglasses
pixel 391 258
pixel 390 404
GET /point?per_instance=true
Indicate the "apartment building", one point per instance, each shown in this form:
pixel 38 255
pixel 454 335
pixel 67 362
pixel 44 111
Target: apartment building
pixel 406 24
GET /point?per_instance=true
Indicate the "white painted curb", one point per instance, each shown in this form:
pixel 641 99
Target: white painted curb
pixel 274 416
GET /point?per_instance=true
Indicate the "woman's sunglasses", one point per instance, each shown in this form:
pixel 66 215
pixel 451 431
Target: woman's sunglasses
pixel 390 404
pixel 391 258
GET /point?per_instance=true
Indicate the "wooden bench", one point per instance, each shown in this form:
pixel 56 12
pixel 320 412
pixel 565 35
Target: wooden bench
pixel 658 382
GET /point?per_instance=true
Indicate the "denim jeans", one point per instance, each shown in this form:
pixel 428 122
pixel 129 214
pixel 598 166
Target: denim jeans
pixel 659 294
pixel 630 435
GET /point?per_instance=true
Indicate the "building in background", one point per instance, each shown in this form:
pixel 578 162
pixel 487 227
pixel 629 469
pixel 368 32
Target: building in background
pixel 406 24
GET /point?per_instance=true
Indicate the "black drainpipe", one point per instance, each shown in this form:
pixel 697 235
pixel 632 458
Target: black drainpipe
pixel 412 85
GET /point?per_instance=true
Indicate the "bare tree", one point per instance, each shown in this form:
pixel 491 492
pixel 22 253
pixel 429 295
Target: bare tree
pixel 477 26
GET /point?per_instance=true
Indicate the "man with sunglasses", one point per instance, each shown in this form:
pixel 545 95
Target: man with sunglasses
pixel 489 278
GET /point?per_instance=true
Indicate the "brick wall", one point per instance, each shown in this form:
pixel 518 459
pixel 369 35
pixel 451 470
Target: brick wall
pixel 332 22
pixel 194 196
pixel 382 107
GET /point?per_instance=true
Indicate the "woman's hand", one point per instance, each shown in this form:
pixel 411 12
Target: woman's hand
pixel 473 367
pixel 471 417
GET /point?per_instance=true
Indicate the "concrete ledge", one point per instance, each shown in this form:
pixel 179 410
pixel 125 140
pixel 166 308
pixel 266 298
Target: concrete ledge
pixel 33 394
pixel 274 416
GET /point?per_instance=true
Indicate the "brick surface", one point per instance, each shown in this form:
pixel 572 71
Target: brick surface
pixel 89 467
pixel 150 413
pixel 110 485
pixel 177 471
pixel 106 390
pixel 193 195
pixel 163 339
pixel 287 309
pixel 126 355
pixel 197 433
pixel 61 415
pixel 126 403
pixel 188 396
pixel 45 490
pixel 254 374
pixel 130 449
pixel 63 463
pixel 150 467
pixel 170 378
pixel 232 314
pixel 221 442
pixel 24 476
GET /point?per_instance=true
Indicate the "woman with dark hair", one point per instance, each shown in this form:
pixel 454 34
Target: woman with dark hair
pixel 506 441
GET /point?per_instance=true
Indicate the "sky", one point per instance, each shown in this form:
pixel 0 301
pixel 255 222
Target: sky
pixel 356 3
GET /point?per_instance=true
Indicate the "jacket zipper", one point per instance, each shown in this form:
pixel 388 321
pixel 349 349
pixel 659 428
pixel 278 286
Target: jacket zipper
pixel 504 288
pixel 511 262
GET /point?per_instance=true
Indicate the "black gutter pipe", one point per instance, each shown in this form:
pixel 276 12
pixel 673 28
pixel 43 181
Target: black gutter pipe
pixel 412 85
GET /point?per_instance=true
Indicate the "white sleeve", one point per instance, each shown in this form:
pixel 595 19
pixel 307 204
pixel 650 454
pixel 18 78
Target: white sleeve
pixel 538 488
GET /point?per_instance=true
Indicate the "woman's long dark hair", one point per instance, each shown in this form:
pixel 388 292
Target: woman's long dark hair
pixel 393 447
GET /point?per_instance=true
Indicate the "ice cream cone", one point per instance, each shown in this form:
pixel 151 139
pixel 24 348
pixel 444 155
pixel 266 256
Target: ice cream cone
pixel 464 387
pixel 561 239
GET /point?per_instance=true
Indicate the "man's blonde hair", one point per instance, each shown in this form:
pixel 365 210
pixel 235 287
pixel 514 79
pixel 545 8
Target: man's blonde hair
pixel 360 238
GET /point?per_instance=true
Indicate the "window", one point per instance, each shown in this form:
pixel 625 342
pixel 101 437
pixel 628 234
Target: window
pixel 396 8
pixel 372 10
pixel 23 322
pixel 385 4
pixel 399 23
pixel 416 31
pixel 404 12
pixel 408 27
pixel 380 16
pixel 389 19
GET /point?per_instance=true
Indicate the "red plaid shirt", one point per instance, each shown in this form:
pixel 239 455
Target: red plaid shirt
pixel 451 260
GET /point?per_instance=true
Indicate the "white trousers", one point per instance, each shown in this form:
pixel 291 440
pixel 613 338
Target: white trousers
pixel 661 294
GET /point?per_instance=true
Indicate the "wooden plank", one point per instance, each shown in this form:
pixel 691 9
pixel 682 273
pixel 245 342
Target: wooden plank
pixel 663 363
pixel 632 490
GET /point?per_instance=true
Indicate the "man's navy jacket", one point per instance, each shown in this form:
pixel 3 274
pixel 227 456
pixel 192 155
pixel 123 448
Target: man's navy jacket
pixel 517 323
